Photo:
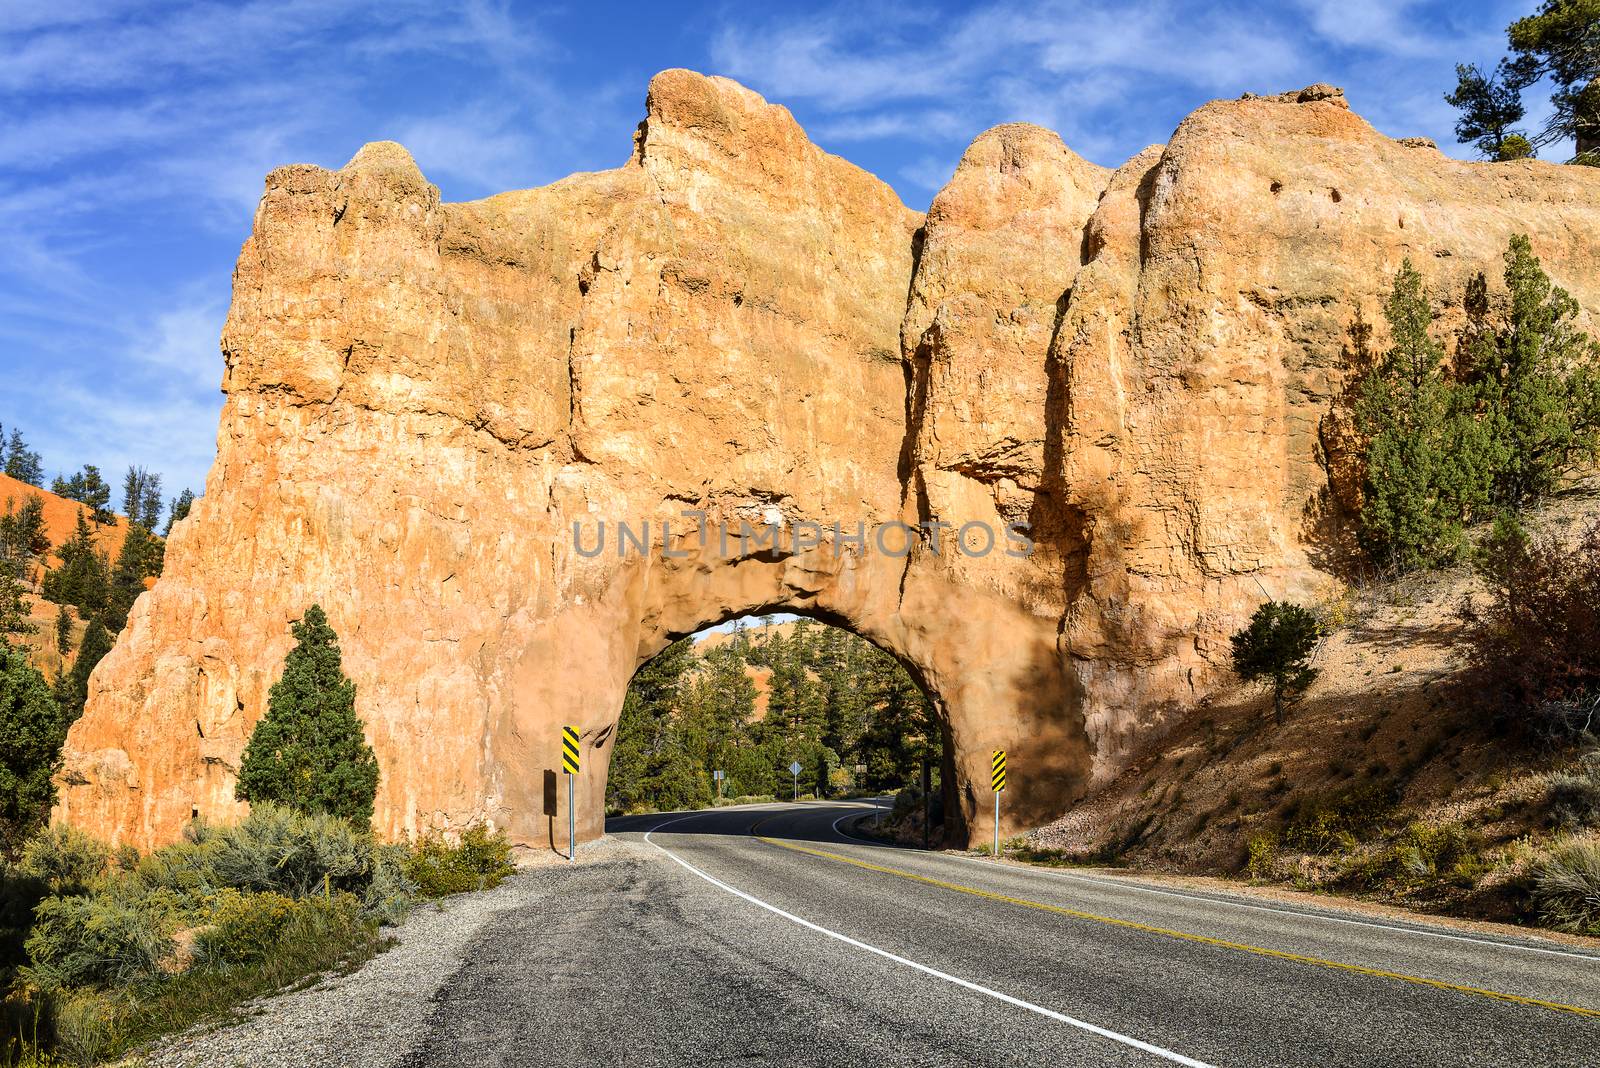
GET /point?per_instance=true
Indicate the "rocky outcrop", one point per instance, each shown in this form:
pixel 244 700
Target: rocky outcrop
pixel 424 398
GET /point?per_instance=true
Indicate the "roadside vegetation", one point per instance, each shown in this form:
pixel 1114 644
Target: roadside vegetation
pixel 103 949
pixel 759 701
pixel 1432 736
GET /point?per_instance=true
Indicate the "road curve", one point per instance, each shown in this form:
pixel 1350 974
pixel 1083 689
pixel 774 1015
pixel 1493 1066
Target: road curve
pixel 768 935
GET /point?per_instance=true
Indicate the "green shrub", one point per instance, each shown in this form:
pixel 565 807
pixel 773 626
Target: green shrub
pixel 1260 854
pixel 1573 798
pixel 478 860
pixel 1334 822
pixel 244 929
pixel 289 853
pixel 1428 852
pixel 95 942
pixel 87 1026
pixel 391 893
pixel 318 935
pixel 1566 885
pixel 183 868
pixel 65 859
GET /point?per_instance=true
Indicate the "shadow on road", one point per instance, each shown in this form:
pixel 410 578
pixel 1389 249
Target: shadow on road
pixel 821 821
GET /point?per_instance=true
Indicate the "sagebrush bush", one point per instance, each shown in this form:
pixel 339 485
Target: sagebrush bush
pixel 65 859
pixel 1572 798
pixel 479 859
pixel 1565 885
pixel 391 893
pixel 99 941
pixel 1426 852
pixel 290 853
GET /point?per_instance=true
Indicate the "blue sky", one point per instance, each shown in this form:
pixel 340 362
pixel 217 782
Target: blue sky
pixel 134 136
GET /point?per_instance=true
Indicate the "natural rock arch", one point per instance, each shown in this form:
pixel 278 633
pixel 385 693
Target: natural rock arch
pixel 1144 366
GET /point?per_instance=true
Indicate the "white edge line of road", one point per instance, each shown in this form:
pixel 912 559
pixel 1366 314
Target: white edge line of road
pixel 1126 1040
pixel 1297 913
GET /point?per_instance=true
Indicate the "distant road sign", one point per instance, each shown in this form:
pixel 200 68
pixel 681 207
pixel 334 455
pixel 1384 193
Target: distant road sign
pixel 570 758
pixel 794 769
pixel 718 775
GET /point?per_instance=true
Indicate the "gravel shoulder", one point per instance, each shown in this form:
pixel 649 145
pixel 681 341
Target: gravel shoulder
pixel 376 1015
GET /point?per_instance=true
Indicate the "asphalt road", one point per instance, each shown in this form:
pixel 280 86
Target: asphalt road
pixel 767 935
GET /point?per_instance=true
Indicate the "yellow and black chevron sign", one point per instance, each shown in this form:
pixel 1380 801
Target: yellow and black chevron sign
pixel 569 750
pixel 999 781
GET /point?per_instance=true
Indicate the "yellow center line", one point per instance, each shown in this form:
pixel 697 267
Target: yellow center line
pixel 1221 943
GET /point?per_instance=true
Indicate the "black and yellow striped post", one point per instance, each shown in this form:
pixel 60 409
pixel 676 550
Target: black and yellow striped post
pixel 997 781
pixel 571 760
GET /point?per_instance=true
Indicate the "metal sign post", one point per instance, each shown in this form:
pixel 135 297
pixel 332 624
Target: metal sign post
pixel 794 769
pixel 570 762
pixel 998 782
pixel 927 801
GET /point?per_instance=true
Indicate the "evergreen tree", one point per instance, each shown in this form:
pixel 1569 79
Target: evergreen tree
pixel 63 631
pixel 70 488
pixel 1276 647
pixel 133 566
pixel 1430 461
pixel 653 760
pixel 83 580
pixel 13 608
pixel 72 687
pixel 32 730
pixel 141 497
pixel 1491 106
pixel 1562 42
pixel 96 494
pixel 179 510
pixel 900 728
pixel 1540 379
pixel 309 752
pixel 21 462
pixel 22 530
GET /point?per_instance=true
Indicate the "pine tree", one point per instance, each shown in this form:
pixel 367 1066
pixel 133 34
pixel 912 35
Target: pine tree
pixel 659 757
pixel 23 529
pixel 141 497
pixel 309 752
pixel 83 580
pixel 1430 461
pixel 1491 106
pixel 13 608
pixel 21 462
pixel 1540 377
pixel 70 488
pixel 63 631
pixel 72 687
pixel 1562 42
pixel 133 566
pixel 179 510
pixel 96 494
pixel 32 730
pixel 1276 647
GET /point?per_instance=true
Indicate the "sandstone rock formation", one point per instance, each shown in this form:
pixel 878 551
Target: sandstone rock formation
pixel 423 398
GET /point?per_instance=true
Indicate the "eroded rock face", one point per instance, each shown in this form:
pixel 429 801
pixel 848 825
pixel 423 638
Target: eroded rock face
pixel 423 398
